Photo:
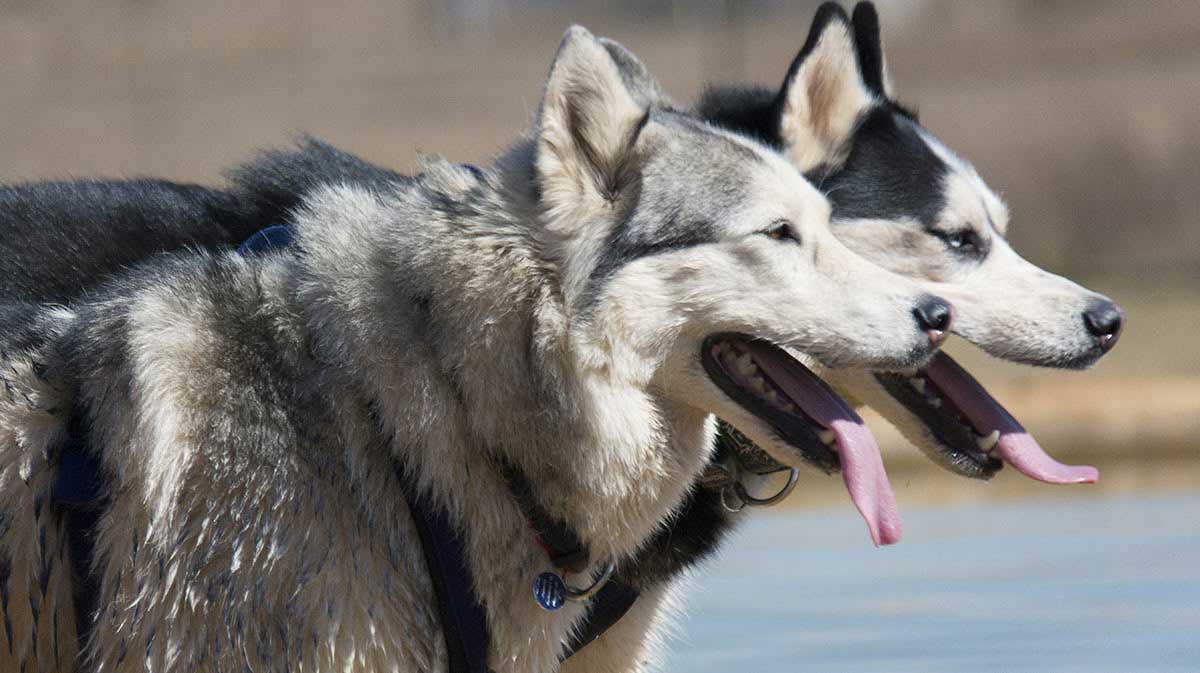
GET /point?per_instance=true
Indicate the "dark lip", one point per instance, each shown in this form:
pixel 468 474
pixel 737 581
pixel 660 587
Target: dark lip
pixel 800 433
pixel 956 440
pixel 1091 357
pixel 1082 361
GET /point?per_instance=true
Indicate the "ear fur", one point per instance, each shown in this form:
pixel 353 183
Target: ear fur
pixel 644 88
pixel 871 61
pixel 824 93
pixel 588 123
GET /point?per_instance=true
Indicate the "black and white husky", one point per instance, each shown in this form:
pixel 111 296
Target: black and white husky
pixel 576 313
pixel 906 202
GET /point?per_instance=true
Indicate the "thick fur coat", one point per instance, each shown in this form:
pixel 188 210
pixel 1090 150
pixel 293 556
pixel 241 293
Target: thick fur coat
pixel 254 415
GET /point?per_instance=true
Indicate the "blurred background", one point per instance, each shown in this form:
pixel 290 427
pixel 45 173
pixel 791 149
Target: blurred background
pixel 1084 114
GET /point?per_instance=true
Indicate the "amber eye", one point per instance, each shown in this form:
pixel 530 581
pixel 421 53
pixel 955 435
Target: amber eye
pixel 781 230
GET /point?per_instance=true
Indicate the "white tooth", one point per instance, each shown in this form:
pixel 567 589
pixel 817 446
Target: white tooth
pixel 828 437
pixel 759 385
pixel 746 365
pixel 935 402
pixel 989 442
pixel 770 396
pixel 918 383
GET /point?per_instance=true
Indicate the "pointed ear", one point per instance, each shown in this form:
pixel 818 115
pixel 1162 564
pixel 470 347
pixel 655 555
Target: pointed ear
pixel 638 81
pixel 824 93
pixel 871 61
pixel 588 125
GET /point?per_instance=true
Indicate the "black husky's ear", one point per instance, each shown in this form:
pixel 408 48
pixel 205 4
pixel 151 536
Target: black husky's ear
pixel 588 125
pixel 870 49
pixel 824 93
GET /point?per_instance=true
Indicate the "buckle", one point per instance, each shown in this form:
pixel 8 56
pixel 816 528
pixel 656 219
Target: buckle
pixel 742 457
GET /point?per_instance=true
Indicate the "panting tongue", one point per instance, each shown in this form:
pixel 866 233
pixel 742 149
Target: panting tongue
pixel 862 466
pixel 1015 446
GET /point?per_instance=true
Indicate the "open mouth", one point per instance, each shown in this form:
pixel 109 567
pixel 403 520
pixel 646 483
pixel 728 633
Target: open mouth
pixel 816 424
pixel 977 434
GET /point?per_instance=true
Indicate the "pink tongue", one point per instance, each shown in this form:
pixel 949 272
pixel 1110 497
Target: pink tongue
pixel 865 478
pixel 862 466
pixel 1015 446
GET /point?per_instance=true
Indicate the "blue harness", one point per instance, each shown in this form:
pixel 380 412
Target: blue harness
pixel 80 495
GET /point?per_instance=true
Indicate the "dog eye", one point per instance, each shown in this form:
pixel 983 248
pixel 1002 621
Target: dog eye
pixel 781 230
pixel 964 241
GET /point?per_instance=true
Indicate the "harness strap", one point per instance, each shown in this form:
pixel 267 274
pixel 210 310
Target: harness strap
pixel 79 494
pixel 607 608
pixel 275 236
pixel 464 624
pixel 566 551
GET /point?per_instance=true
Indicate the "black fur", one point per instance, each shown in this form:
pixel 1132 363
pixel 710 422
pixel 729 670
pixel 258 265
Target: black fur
pixel 278 179
pixel 697 530
pixel 20 329
pixel 869 46
pixel 752 110
pixel 890 172
pixel 58 239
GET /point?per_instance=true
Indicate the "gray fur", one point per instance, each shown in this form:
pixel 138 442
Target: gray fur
pixel 254 415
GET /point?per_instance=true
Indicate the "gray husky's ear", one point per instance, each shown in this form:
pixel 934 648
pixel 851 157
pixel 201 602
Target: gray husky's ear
pixel 645 89
pixel 588 125
pixel 824 93
pixel 871 61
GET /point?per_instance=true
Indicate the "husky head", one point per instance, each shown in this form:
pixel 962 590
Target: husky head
pixel 689 257
pixel 903 200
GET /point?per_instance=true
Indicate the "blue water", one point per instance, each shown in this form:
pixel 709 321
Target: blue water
pixel 1059 586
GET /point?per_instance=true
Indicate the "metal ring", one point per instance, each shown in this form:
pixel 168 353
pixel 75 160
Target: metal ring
pixel 725 493
pixel 584 594
pixel 747 499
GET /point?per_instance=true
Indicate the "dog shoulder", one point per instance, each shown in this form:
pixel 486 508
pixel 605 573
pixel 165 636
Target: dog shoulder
pixel 229 449
pixel 35 400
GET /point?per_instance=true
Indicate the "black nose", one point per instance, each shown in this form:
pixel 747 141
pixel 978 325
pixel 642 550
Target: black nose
pixel 1104 320
pixel 934 315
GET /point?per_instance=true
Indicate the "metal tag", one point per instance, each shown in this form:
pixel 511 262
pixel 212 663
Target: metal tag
pixel 550 591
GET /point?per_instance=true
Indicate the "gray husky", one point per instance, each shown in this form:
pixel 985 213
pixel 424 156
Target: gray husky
pixel 576 314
